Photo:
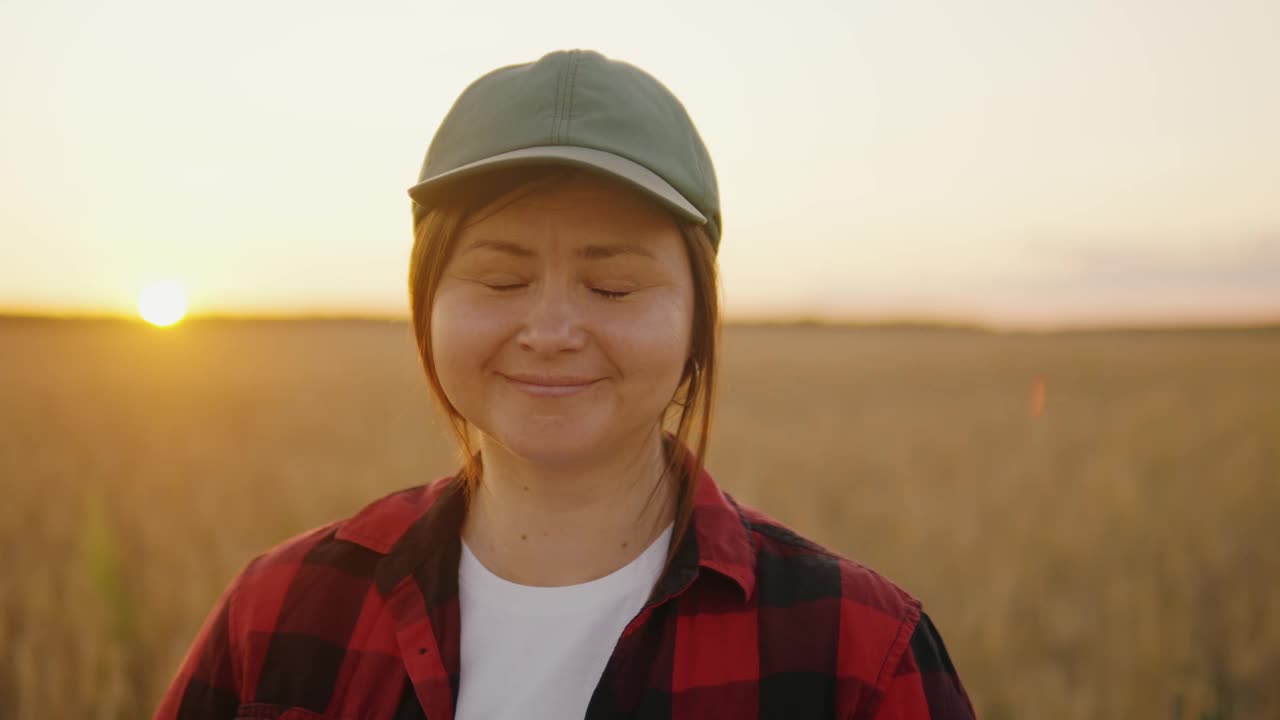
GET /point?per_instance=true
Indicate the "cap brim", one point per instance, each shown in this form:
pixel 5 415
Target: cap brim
pixel 632 173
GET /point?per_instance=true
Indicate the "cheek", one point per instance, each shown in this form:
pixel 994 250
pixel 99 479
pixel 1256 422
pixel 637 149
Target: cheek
pixel 653 346
pixel 463 338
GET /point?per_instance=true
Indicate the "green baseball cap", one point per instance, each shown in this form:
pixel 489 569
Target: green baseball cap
pixel 577 108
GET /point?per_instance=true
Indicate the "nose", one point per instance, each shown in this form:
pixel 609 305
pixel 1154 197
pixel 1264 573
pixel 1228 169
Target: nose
pixel 553 323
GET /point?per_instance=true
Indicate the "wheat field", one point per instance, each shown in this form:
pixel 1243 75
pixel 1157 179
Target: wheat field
pixel 1089 518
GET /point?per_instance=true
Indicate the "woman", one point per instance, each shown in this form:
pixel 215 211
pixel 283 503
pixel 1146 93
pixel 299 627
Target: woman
pixel 582 562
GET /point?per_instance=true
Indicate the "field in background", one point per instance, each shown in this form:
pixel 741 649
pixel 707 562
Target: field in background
pixel 1089 518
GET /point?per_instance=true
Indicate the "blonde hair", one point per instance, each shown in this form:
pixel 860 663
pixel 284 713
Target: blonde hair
pixel 436 231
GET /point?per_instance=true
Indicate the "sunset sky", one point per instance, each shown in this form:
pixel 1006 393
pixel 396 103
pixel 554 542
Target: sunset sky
pixel 1010 162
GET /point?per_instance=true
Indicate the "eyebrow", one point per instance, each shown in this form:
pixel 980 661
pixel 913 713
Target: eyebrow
pixel 501 246
pixel 586 252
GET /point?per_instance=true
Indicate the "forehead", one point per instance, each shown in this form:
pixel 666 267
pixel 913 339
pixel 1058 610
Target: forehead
pixel 584 206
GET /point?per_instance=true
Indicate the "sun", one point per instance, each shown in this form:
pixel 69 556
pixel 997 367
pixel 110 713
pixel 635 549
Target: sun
pixel 162 303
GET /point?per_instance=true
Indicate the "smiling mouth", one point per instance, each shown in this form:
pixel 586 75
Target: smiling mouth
pixel 549 386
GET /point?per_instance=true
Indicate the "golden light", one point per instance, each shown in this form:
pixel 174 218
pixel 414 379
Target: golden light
pixel 163 303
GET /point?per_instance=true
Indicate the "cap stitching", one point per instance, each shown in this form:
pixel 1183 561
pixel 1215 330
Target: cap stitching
pixel 573 82
pixel 564 92
pixel 562 121
pixel 555 114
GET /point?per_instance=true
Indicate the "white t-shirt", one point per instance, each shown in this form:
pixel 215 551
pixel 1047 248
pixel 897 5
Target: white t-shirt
pixel 537 653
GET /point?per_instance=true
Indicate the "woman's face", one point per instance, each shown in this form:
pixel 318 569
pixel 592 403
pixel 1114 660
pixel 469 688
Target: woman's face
pixel 561 325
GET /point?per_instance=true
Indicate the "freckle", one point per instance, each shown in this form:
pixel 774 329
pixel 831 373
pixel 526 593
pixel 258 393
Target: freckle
pixel 523 536
pixel 526 488
pixel 545 533
pixel 624 544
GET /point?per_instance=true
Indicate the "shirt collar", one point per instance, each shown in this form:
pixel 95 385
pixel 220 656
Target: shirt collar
pixel 421 525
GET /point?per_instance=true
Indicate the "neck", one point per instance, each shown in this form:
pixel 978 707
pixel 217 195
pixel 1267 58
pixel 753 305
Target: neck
pixel 564 525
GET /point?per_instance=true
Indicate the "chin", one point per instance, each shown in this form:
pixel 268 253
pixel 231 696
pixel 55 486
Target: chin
pixel 551 442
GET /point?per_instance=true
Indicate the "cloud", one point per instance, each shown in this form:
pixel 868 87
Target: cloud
pixel 1230 264
pixel 1130 279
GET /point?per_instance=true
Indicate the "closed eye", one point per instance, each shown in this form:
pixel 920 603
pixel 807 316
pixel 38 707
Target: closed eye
pixel 607 294
pixel 610 294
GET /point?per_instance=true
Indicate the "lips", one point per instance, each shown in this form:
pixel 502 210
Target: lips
pixel 550 385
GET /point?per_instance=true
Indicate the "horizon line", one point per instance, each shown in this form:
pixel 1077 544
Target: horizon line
pixel 887 321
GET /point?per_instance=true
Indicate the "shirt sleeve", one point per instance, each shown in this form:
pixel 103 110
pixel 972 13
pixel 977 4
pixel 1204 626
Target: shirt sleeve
pixel 925 685
pixel 206 686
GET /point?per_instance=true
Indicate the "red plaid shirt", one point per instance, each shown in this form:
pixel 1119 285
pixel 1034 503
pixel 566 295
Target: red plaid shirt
pixel 359 620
